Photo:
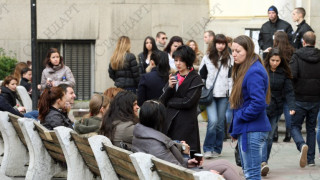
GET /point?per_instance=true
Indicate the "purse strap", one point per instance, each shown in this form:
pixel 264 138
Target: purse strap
pixel 215 79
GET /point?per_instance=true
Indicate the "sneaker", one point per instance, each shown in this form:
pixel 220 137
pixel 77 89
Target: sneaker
pixel 215 154
pixel 264 169
pixel 311 164
pixel 207 155
pixel 303 156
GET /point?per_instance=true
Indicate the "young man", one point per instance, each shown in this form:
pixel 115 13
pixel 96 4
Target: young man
pixel 26 75
pixel 270 27
pixel 298 15
pixel 161 40
pixel 208 36
pixel 305 65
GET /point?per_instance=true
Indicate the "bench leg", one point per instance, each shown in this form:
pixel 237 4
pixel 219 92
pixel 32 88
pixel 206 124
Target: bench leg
pixel 77 169
pixel 143 164
pixel 106 169
pixel 16 157
pixel 41 166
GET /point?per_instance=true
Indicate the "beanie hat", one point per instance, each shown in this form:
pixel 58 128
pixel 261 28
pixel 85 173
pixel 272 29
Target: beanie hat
pixel 273 8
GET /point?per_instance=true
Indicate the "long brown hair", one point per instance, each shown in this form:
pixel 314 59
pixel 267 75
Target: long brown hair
pixel 47 61
pixel 47 99
pixel 214 54
pixel 118 56
pixel 17 70
pixel 281 42
pixel 283 63
pixel 240 70
pixel 8 79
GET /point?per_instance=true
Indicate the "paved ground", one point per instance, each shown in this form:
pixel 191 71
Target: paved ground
pixel 283 163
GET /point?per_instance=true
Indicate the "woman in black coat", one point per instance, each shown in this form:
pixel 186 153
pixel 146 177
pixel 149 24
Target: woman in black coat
pixel 123 67
pixel 281 89
pixel 152 83
pixel 9 94
pixel 181 96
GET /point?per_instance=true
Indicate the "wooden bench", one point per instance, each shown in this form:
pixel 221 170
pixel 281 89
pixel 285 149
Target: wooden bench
pixel 44 151
pixel 121 162
pixel 77 167
pixel 14 120
pixel 86 152
pixel 15 159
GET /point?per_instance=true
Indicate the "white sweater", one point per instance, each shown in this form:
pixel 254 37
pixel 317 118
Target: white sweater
pixel 223 84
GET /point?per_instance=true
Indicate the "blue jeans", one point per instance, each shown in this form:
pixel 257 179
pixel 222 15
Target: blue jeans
pixel 32 114
pixel 266 149
pixel 229 114
pixel 215 129
pixel 251 159
pixel 308 110
pixel 318 131
pixel 287 115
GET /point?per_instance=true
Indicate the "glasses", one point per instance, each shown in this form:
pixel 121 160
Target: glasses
pixel 164 38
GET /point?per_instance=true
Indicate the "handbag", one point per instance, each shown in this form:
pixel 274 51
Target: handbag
pixel 206 94
pixel 237 156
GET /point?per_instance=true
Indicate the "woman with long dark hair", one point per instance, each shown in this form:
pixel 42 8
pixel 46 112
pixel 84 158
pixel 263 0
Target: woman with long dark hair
pixel 249 98
pixel 56 72
pixel 152 83
pixel 123 67
pixel 281 88
pixel 174 43
pixel 50 105
pixel 149 46
pixel 181 96
pixel 218 63
pixel 119 120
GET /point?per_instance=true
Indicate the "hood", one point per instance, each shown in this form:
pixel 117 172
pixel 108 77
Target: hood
pixel 309 54
pixel 6 90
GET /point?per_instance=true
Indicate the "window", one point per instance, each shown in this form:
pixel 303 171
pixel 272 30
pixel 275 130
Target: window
pixel 79 57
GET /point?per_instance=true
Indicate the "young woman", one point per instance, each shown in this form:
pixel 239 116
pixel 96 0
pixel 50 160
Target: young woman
pixel 55 72
pixel 119 120
pixel 152 83
pixel 149 46
pixel 218 63
pixel 199 55
pixel 9 97
pixel 148 138
pixel 123 67
pixel 50 105
pixel 172 46
pixel 281 88
pixel 98 106
pixel 181 96
pixel 286 51
pixel 249 98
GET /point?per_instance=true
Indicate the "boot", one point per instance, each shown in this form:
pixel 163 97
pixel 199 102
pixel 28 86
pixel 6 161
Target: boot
pixel 288 136
pixel 275 136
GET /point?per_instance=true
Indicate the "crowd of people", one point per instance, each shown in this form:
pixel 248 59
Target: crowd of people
pixel 250 93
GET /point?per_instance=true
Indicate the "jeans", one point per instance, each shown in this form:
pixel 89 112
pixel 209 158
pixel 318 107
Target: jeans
pixel 318 131
pixel 287 115
pixel 266 148
pixel 308 110
pixel 251 159
pixel 229 114
pixel 32 114
pixel 215 129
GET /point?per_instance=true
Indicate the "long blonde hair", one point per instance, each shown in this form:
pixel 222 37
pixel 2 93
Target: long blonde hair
pixel 118 56
pixel 240 70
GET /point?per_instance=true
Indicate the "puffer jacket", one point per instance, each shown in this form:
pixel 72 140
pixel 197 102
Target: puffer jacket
pixel 305 66
pixel 129 76
pixel 153 142
pixel 281 88
pixel 56 118
pixel 56 74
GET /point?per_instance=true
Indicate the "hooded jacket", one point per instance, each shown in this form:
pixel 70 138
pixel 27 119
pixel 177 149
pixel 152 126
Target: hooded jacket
pixel 305 68
pixel 9 95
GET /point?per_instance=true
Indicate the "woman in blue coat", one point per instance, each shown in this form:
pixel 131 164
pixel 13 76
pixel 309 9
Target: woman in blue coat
pixel 249 98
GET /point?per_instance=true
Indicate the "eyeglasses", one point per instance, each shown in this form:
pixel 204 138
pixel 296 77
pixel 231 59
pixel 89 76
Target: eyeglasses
pixel 164 38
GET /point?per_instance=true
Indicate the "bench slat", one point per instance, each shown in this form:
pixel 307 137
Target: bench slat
pixel 57 156
pixel 118 152
pixel 125 174
pixel 90 160
pixel 80 139
pixel 172 171
pixel 43 137
pixel 84 148
pixel 128 166
pixel 94 169
pixel 52 147
pixel 14 121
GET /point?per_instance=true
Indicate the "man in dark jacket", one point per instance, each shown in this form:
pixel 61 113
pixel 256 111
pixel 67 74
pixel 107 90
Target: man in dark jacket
pixel 305 65
pixel 298 15
pixel 270 27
